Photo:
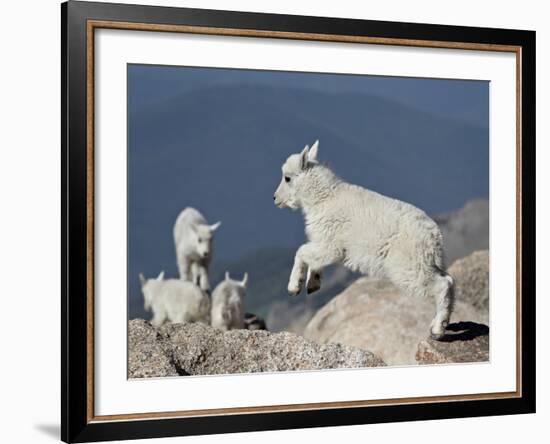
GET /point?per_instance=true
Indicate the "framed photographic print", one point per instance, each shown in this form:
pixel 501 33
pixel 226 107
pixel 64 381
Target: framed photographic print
pixel 275 221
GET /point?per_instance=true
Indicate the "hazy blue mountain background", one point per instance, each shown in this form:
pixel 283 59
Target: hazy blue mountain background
pixel 215 139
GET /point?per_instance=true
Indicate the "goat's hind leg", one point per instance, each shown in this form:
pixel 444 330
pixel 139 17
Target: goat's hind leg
pixel 443 292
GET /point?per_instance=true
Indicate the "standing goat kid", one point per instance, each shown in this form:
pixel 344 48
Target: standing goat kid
pixel 364 231
pixel 193 240
pixel 228 303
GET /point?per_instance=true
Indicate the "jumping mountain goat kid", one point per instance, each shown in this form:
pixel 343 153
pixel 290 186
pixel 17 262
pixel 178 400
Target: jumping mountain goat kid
pixel 228 303
pixel 366 232
pixel 193 239
pixel 174 300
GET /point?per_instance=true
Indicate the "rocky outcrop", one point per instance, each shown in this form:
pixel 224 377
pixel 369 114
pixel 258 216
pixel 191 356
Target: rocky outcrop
pixel 197 349
pixel 471 275
pixel 464 342
pixel 149 352
pixel 374 315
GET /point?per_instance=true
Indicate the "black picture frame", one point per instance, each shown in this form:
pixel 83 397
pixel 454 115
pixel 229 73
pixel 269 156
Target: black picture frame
pixel 76 423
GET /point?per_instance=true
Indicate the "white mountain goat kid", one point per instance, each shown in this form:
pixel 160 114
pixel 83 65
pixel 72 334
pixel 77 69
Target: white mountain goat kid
pixel 228 303
pixel 364 231
pixel 193 239
pixel 174 300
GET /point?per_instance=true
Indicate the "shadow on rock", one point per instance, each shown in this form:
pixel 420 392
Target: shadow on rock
pixel 464 331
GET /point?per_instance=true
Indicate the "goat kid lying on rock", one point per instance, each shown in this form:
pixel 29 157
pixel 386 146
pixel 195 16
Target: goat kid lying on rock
pixel 366 232
pixel 174 300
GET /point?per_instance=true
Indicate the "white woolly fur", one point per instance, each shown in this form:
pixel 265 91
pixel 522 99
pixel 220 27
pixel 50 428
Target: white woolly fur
pixel 193 240
pixel 174 300
pixel 228 303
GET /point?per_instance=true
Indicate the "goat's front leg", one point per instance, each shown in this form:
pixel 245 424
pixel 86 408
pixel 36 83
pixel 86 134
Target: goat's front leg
pixel 298 273
pixel 204 284
pixel 195 274
pixel 200 276
pixel 184 268
pixel 314 256
pixel 313 281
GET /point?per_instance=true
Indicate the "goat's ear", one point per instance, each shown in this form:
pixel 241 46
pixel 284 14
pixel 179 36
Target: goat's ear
pixel 142 279
pixel 160 276
pixel 215 226
pixel 245 280
pixel 304 157
pixel 312 156
pixel 227 275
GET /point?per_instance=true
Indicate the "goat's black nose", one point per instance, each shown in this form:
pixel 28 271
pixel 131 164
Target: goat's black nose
pixel 274 197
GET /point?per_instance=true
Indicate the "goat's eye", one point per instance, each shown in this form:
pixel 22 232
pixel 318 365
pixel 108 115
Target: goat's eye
pixel 200 240
pixel 287 179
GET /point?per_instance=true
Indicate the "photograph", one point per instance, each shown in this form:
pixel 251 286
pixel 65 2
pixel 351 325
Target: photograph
pixel 284 221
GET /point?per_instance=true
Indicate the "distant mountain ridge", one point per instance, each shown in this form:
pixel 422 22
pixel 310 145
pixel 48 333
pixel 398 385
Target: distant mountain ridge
pixel 151 85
